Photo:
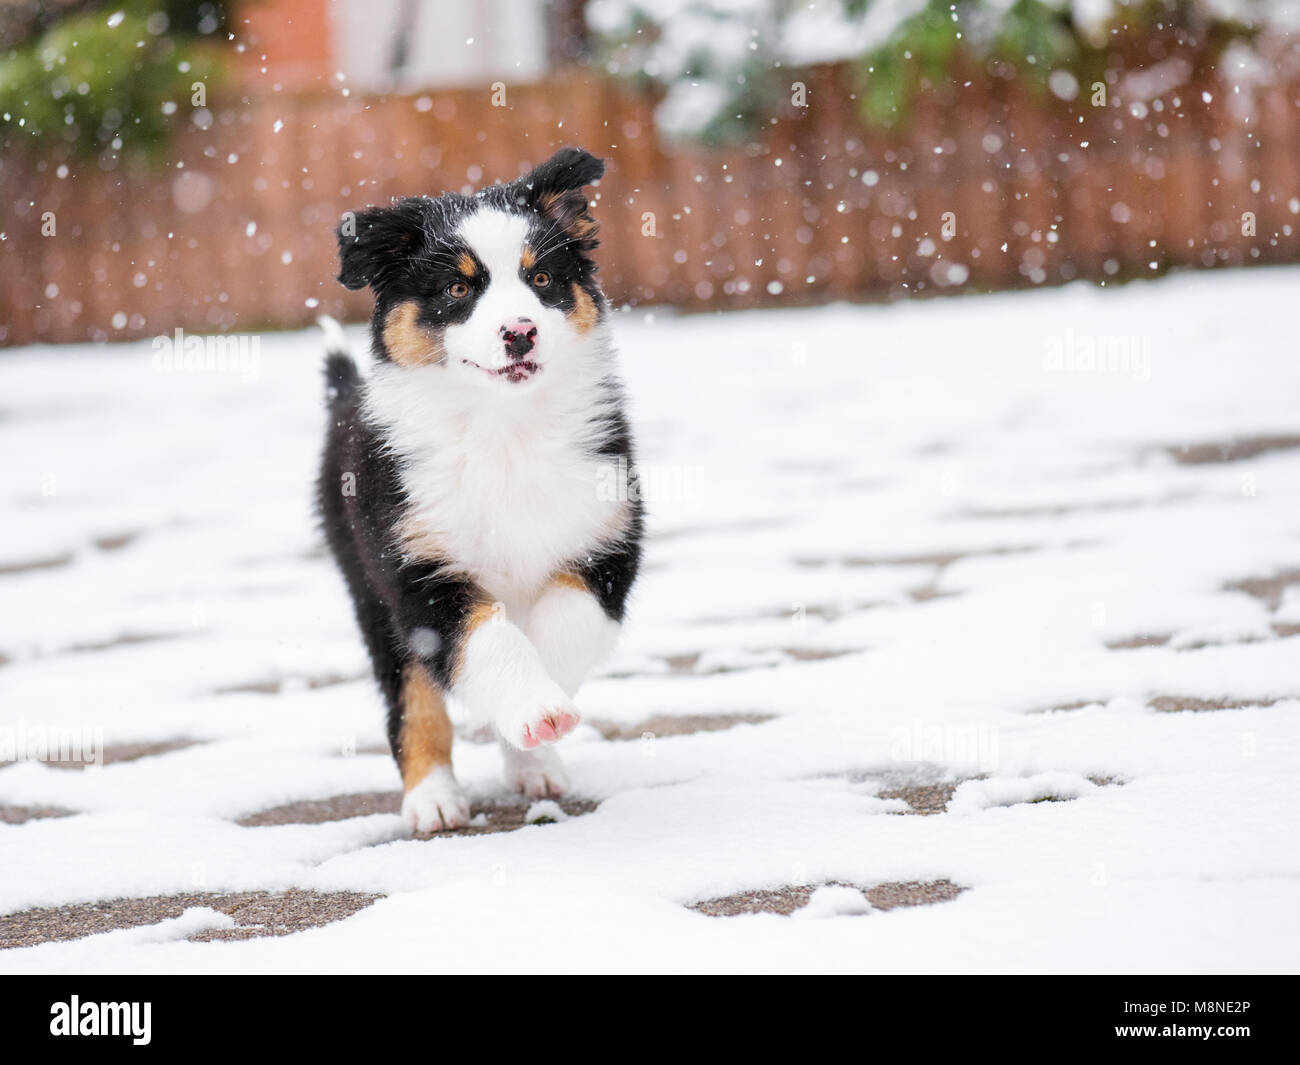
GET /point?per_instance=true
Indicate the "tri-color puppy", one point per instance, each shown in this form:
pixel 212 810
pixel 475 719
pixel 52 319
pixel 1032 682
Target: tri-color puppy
pixel 474 487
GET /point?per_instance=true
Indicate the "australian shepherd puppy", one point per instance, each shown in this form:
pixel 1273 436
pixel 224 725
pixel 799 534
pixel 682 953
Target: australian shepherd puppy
pixel 474 487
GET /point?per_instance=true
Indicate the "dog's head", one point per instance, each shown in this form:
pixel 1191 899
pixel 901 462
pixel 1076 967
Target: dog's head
pixel 497 288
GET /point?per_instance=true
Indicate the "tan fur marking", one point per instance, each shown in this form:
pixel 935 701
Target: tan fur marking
pixel 416 541
pixel 565 579
pixel 583 316
pixel 466 264
pixel 581 226
pixel 426 733
pixel 407 343
pixel 480 614
pixel 527 257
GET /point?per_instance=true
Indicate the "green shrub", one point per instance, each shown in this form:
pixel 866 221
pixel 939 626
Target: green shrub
pixel 112 79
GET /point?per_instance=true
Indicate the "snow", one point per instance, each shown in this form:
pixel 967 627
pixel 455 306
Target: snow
pixel 194 920
pixel 975 795
pixel 920 488
pixel 834 900
pixel 544 809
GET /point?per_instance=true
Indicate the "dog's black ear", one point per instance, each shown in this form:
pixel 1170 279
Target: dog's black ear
pixel 555 187
pixel 377 243
pixel 567 170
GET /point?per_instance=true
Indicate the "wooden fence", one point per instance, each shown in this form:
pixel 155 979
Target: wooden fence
pixel 987 187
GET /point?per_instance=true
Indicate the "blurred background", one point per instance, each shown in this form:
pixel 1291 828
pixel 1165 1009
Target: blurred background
pixel 171 163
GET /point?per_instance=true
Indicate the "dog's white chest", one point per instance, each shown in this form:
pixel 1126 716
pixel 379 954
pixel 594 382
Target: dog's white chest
pixel 507 501
pixel 511 511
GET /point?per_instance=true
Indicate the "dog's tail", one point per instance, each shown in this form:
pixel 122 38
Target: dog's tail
pixel 341 376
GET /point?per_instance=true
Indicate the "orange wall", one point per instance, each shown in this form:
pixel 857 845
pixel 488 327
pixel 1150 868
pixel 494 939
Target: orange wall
pixel 290 38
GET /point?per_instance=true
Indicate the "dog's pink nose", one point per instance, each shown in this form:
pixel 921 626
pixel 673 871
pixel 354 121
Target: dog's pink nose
pixel 519 336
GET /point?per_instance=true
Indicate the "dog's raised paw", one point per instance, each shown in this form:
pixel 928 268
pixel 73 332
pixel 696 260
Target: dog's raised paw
pixel 534 721
pixel 547 727
pixel 436 803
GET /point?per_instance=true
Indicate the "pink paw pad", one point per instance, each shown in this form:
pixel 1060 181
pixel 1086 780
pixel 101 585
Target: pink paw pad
pixel 549 729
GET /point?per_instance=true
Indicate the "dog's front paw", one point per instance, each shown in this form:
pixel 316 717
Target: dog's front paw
pixel 538 774
pixel 549 726
pixel 541 717
pixel 436 803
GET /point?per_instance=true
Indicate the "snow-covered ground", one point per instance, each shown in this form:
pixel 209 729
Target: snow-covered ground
pixel 929 541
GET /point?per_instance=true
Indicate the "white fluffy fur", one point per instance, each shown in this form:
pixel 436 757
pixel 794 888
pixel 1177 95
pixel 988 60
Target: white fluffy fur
pixel 502 680
pixel 335 341
pixel 571 633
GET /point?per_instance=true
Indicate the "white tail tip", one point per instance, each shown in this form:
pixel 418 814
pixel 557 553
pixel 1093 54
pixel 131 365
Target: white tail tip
pixel 335 341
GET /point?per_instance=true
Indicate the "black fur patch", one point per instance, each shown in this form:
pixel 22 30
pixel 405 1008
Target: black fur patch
pixel 405 611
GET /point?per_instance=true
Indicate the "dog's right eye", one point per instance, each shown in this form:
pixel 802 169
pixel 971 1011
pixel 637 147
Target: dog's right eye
pixel 458 290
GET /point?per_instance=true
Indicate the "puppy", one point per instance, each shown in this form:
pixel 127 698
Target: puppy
pixel 475 487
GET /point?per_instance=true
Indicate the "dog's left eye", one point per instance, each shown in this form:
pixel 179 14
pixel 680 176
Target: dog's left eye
pixel 541 279
pixel 458 290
